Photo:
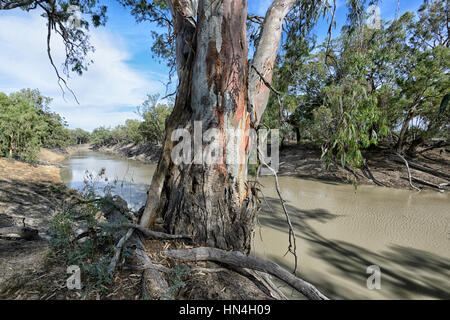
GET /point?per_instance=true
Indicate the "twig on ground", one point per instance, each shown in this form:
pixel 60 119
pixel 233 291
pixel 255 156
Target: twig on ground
pixel 118 253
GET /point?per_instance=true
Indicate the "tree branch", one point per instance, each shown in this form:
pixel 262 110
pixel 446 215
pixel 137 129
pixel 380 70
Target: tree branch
pixel 264 58
pixel 156 235
pixel 292 238
pixel 240 260
pixel 409 172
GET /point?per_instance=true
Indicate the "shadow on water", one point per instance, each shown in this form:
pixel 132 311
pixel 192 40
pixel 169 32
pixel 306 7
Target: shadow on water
pixel 406 272
pixel 336 267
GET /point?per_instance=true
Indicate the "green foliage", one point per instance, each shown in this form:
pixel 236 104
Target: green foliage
pixel 360 88
pixel 27 124
pixel 21 127
pixel 94 252
pixel 101 136
pixel 151 129
pixel 79 136
pixel 351 117
pixel 154 116
pixel 424 78
pixel 176 277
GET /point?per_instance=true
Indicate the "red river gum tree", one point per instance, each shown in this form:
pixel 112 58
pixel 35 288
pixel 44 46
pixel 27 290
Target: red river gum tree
pixel 222 89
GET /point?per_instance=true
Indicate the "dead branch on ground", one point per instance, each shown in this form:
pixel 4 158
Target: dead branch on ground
pixel 240 260
pixel 409 171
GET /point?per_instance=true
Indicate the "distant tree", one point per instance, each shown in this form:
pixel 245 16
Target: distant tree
pixel 154 117
pixel 133 131
pixel 80 136
pixel 101 136
pixel 22 128
pixel 424 79
pixel 56 135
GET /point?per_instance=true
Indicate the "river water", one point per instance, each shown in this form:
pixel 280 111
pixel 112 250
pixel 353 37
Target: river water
pixel 340 231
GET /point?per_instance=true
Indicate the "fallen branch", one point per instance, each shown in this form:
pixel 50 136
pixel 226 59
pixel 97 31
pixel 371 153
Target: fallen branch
pixel 428 170
pixel 118 253
pixel 156 235
pixel 426 183
pixel 440 144
pixel 240 260
pixel 409 172
pixel 23 232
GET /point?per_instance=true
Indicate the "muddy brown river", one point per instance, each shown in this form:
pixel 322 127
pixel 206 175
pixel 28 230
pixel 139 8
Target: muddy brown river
pixel 340 231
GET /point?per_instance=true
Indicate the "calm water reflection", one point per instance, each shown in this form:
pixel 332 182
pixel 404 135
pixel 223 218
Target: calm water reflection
pixel 132 177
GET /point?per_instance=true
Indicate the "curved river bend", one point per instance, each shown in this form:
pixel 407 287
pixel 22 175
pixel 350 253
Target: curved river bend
pixel 340 231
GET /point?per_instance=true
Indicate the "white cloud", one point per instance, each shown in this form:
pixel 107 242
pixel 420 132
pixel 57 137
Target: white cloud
pixel 108 85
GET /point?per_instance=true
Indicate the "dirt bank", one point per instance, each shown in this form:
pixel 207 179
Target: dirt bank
pixel 29 196
pixel 388 169
pixel 147 153
pixel 303 161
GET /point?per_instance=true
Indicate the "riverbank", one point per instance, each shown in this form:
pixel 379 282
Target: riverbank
pixel 34 197
pixel 303 161
pixel 30 195
pixel 147 153
pixel 385 168
pixel 339 228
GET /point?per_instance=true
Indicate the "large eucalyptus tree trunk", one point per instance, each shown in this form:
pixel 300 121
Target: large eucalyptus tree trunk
pixel 217 90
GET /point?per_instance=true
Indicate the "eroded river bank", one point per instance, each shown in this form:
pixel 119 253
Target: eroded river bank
pixel 340 231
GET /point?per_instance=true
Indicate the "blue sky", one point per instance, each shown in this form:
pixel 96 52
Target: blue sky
pixel 124 70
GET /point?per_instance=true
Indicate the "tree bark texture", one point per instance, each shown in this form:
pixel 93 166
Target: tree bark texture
pixel 211 201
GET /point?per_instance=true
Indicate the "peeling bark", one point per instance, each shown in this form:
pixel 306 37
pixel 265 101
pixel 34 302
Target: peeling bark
pixel 211 202
pixel 265 55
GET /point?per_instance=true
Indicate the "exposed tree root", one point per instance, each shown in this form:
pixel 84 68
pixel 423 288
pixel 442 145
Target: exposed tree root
pixel 409 172
pixel 426 183
pixel 270 283
pixel 146 232
pixel 371 177
pixel 154 285
pixel 240 260
pixel 157 235
pixel 419 167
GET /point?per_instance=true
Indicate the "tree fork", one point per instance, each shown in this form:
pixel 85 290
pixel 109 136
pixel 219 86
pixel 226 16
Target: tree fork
pixel 212 202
